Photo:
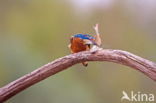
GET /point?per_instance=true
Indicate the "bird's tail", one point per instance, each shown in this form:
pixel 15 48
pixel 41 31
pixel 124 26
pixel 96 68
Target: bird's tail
pixel 85 64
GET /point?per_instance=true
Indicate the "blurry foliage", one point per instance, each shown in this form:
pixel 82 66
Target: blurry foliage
pixel 35 32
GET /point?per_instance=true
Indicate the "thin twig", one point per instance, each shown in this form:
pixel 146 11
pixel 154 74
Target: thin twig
pixel 118 56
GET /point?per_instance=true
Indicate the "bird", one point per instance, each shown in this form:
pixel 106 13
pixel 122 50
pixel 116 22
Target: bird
pixel 125 96
pixel 81 42
pixel 84 42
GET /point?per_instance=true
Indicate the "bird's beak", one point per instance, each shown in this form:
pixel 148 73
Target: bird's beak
pixel 89 42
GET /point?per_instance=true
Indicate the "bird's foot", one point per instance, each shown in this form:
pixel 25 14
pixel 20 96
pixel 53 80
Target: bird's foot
pixel 95 48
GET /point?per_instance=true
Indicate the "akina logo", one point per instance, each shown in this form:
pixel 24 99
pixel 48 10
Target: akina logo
pixel 137 96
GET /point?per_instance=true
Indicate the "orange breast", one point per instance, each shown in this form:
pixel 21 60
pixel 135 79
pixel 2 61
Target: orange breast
pixel 77 45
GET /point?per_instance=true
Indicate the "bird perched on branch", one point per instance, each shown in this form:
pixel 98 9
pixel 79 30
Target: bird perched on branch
pixel 83 42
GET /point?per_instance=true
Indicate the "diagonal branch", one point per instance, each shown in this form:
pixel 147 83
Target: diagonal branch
pixel 117 56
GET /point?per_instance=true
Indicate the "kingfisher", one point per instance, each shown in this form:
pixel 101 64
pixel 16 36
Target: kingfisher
pixel 84 42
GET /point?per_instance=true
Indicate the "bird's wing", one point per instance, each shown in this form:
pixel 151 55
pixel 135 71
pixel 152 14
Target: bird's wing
pixel 97 36
pixel 124 93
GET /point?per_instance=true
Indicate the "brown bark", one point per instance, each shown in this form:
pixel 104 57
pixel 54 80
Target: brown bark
pixel 118 56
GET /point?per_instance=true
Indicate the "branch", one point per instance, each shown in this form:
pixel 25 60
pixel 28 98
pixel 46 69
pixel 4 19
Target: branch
pixel 117 56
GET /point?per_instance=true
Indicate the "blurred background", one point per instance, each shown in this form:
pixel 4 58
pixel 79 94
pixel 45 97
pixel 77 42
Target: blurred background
pixel 35 32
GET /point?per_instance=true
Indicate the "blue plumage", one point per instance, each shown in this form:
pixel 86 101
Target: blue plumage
pixel 84 36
